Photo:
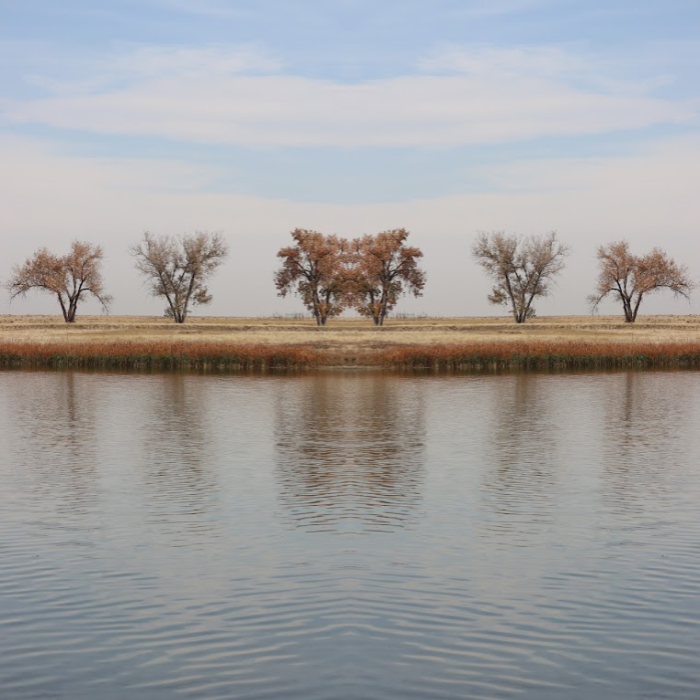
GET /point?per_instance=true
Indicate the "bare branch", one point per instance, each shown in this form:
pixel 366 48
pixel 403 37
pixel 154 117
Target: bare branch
pixel 522 268
pixel 177 268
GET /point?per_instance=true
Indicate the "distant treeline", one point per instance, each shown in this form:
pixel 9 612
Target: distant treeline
pixel 368 274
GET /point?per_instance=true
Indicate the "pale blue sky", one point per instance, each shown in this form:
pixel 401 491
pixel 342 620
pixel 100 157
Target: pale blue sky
pixel 351 117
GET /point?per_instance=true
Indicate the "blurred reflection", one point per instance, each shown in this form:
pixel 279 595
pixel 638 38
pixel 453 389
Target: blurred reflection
pixel 522 460
pixel 350 451
pixel 176 450
pixel 643 421
pixel 54 423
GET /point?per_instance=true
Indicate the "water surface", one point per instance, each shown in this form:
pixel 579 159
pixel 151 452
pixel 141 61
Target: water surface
pixel 349 535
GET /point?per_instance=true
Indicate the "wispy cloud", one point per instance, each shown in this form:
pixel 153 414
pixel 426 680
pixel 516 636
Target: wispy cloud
pixel 488 8
pixel 563 64
pixel 211 95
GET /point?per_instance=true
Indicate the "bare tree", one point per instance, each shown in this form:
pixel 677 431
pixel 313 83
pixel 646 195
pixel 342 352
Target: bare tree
pixel 178 268
pixel 522 268
pixel 313 268
pixel 70 277
pixel 630 278
pixel 383 268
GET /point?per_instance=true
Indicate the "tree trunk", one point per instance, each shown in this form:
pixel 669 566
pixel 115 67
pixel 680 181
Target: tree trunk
pixel 72 309
pixel 629 315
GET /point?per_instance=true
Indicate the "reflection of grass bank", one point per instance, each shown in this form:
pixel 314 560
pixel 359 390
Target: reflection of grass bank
pixel 154 355
pixel 457 343
pixel 544 355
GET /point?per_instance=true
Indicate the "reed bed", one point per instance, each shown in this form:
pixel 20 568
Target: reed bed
pixel 499 354
pixel 153 355
pixel 543 355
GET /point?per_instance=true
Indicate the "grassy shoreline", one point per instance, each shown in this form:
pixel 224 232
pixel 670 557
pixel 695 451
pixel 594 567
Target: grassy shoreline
pixel 478 357
pixel 462 344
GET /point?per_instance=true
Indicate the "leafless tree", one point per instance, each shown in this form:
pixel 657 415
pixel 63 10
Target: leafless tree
pixel 383 268
pixel 522 268
pixel 313 268
pixel 630 278
pixel 70 277
pixel 178 268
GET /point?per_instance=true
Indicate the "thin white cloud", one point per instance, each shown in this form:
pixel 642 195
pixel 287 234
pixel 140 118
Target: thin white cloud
pixel 142 65
pixel 211 96
pixel 157 62
pixel 562 64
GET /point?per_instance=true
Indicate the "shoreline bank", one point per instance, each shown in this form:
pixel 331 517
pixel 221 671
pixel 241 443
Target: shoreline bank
pixel 467 344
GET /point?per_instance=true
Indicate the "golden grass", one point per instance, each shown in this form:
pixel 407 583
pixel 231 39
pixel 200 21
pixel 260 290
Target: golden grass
pixel 231 343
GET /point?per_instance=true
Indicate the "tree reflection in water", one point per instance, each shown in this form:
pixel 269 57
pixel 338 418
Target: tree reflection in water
pixel 643 424
pixel 54 415
pixel 178 442
pixel 523 457
pixel 350 451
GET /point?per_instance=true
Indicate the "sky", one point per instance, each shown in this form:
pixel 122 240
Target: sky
pixel 255 117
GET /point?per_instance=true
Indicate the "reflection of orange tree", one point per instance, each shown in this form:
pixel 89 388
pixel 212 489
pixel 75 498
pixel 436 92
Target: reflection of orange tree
pixel 350 451
pixel 522 475
pixel 643 421
pixel 55 416
pixel 176 445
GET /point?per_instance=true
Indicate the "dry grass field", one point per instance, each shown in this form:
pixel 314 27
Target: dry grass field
pixel 449 342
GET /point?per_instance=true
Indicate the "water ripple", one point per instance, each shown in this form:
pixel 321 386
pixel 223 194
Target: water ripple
pixel 349 535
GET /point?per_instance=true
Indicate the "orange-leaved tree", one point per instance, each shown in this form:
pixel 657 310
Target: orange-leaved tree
pixel 314 268
pixel 629 278
pixel 382 268
pixel 69 277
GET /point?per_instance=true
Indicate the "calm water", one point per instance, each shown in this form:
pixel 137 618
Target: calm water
pixel 349 535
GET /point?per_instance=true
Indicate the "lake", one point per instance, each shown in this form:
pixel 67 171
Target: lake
pixel 350 535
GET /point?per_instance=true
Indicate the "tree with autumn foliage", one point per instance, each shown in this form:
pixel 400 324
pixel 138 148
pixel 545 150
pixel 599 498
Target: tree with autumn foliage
pixel 70 277
pixel 314 268
pixel 382 268
pixel 522 268
pixel 629 278
pixel 179 268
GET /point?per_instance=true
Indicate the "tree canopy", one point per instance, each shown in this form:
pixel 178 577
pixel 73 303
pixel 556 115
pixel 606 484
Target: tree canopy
pixel 313 268
pixel 384 268
pixel 178 268
pixel 629 278
pixel 70 277
pixel 522 268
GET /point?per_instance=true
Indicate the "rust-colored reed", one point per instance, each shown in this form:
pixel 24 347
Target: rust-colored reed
pixel 475 356
pixel 542 355
pixel 159 355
